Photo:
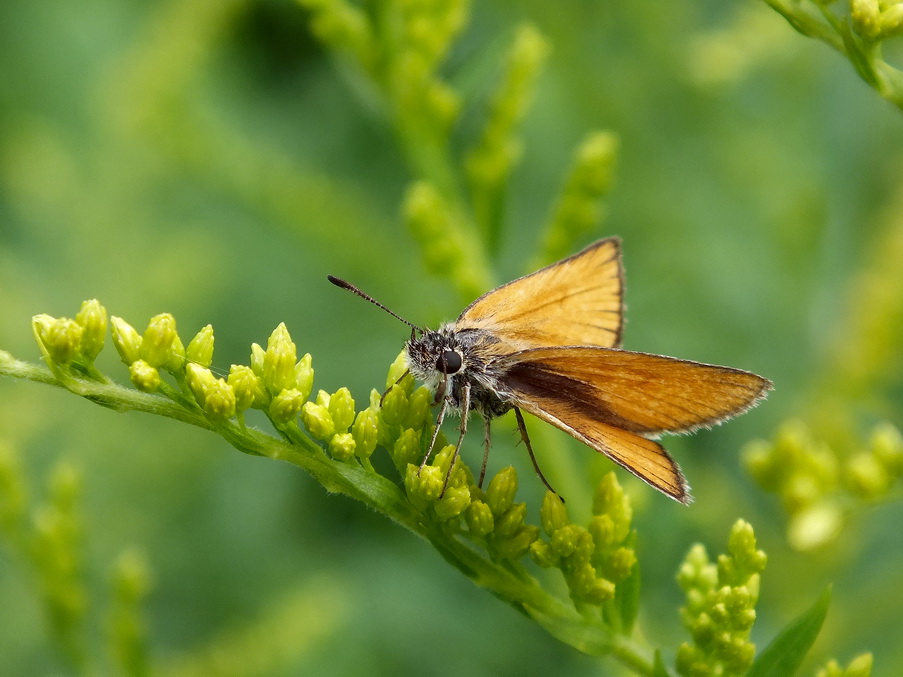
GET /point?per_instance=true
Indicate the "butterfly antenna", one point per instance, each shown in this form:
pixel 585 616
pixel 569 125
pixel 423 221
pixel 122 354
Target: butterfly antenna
pixel 339 282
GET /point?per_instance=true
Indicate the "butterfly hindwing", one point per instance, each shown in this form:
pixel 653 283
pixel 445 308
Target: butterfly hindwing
pixel 578 300
pixel 645 458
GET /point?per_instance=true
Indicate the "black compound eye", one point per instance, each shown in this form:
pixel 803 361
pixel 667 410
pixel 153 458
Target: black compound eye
pixel 449 362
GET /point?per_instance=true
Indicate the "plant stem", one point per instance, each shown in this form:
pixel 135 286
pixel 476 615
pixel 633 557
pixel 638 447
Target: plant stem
pixel 506 580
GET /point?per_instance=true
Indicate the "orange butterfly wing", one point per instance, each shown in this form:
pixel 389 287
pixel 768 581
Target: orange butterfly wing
pixel 578 300
pixel 613 400
pixel 645 458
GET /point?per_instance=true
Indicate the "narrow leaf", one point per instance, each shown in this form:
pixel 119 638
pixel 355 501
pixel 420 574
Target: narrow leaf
pixel 658 668
pixel 786 652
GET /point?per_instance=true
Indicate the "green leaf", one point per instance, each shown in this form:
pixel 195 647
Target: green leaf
pixel 784 655
pixel 658 668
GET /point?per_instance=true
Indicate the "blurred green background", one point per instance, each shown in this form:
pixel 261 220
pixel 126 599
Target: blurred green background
pixel 212 160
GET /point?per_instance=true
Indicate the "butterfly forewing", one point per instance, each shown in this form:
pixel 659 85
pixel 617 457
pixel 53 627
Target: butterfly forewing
pixel 575 301
pixel 638 392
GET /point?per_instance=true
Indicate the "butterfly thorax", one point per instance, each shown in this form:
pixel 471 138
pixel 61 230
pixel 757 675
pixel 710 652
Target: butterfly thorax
pixel 447 359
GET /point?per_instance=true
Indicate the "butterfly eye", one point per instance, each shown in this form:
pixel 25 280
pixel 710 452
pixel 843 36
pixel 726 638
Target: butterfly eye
pixel 449 362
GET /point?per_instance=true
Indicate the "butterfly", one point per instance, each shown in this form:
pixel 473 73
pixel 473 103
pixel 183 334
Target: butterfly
pixel 549 344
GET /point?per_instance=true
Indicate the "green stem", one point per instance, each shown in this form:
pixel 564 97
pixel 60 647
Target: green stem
pixel 505 580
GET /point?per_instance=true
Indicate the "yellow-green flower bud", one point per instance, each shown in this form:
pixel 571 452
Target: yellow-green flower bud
pixel 341 446
pixel 65 486
pixel 279 361
pixel 418 408
pixel 691 661
pixel 619 564
pixel 286 405
pixel 131 576
pixel 386 435
pixel 733 608
pixel 745 560
pixel 424 484
pixel 584 545
pixel 444 458
pixel 41 324
pixel 610 499
pixel 565 540
pixel 542 553
pixel 517 545
pixel 176 362
pixel 866 17
pixel 891 21
pixel 501 491
pixel 375 399
pixel 156 344
pixel 581 578
pixel 479 518
pixel 61 338
pixel 93 319
pixel 126 340
pixel 395 406
pixel 396 370
pixel 800 491
pixel 258 354
pixel 602 529
pixel 759 459
pixel 407 449
pixel 599 591
pixel 444 103
pixel 814 525
pixel 200 381
pixel 323 399
pixel 867 477
pixel 200 348
pixel 453 503
pixel 219 400
pixel 304 375
pixel 697 575
pixel 578 208
pixel 861 666
pixel 513 519
pixel 738 655
pixel 247 386
pixel 341 408
pixel 499 148
pixel 553 514
pixel 144 376
pixel 430 221
pixel 317 420
pixel 887 446
pixel 365 431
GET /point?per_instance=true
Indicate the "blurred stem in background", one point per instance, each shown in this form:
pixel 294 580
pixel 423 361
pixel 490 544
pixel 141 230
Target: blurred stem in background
pixel 856 30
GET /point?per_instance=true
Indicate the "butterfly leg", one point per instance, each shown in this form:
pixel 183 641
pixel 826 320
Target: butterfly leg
pixel 522 427
pixel 487 441
pixel 465 410
pixel 400 379
pixel 439 420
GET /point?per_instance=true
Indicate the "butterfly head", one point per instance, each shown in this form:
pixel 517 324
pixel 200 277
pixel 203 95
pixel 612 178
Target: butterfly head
pixel 434 356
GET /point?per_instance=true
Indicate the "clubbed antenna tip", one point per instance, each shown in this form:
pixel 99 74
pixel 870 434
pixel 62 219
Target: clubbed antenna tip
pixel 339 282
